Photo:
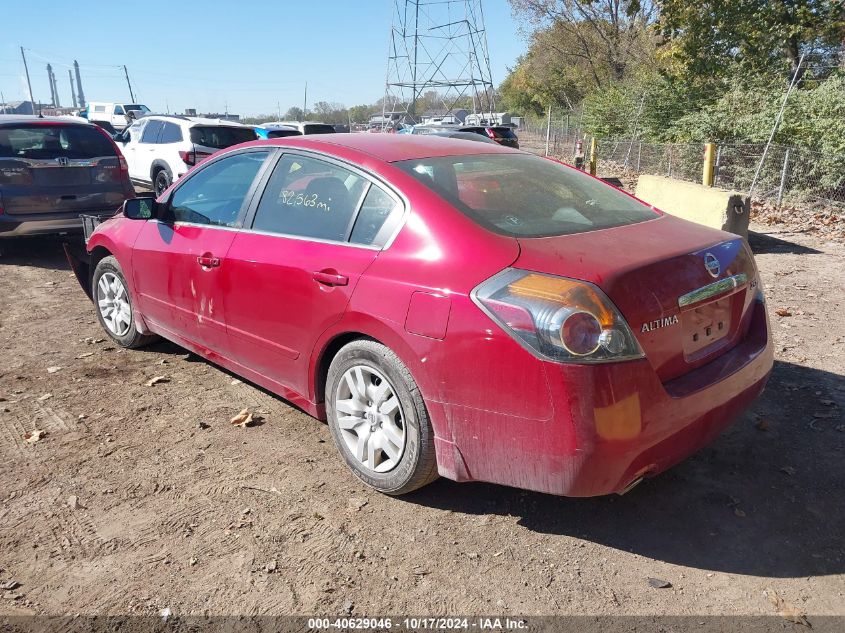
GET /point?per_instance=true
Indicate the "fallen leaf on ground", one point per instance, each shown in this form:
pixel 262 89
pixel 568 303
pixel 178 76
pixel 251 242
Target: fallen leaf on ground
pixel 739 513
pixel 9 585
pixel 783 312
pixel 85 355
pixel 789 470
pixel 73 503
pixel 658 583
pixel 156 380
pixel 31 437
pixel 243 419
pixel 54 369
pixel 46 396
pixel 785 610
pixel 762 425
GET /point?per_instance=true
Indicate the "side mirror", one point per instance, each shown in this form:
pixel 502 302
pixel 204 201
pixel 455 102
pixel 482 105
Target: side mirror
pixel 144 208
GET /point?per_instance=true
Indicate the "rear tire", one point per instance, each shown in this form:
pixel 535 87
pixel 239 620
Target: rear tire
pixel 161 181
pixel 378 419
pixel 115 312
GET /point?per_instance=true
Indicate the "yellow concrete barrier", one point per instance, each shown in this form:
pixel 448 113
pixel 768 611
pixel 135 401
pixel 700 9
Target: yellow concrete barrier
pixel 717 208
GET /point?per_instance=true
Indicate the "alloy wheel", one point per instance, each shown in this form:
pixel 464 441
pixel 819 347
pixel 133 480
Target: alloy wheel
pixel 114 305
pixel 370 418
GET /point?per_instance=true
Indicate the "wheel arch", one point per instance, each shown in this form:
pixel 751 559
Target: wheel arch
pixel 158 165
pixel 359 326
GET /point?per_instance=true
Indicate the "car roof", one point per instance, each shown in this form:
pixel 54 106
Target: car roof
pixel 11 119
pixel 391 147
pixel 193 120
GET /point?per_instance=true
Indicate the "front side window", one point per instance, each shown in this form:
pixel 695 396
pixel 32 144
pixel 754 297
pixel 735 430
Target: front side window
pixel 307 197
pixel 118 110
pixel 520 195
pixel 215 194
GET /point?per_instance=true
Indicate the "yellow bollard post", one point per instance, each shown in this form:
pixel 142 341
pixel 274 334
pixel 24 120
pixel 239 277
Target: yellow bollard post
pixel 709 164
pixel 593 156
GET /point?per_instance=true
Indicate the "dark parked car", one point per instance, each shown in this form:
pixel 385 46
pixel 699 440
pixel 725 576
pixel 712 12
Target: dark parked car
pixel 501 134
pixel 52 170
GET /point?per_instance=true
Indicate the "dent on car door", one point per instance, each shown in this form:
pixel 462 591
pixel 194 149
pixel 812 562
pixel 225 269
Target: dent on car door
pixel 314 231
pixel 178 260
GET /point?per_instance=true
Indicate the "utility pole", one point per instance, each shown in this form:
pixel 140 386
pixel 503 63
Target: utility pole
pixel 55 89
pixel 28 83
pixel 72 89
pixel 305 101
pixel 778 120
pixel 80 95
pixel 52 88
pixel 126 74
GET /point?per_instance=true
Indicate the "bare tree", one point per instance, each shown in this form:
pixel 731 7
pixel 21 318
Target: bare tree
pixel 602 34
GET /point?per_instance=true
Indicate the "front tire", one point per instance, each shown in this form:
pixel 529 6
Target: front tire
pixel 114 305
pixel 378 419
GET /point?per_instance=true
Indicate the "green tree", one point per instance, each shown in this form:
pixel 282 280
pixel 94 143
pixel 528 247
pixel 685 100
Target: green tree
pixel 708 37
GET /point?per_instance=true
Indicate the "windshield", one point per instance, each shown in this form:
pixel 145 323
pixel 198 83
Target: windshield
pixel 521 195
pixel 54 141
pixel 221 136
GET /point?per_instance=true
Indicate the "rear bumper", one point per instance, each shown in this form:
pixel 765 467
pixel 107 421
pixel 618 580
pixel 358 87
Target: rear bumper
pixel 39 224
pixel 614 424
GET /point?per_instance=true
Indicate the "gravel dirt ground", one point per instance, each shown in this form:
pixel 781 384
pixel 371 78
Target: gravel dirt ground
pixel 139 498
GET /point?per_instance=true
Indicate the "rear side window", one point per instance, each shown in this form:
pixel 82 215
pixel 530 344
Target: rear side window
pixel 215 194
pixel 307 197
pixel 170 133
pixel 151 131
pixel 46 142
pixel 526 196
pixel 221 136
pixel 376 219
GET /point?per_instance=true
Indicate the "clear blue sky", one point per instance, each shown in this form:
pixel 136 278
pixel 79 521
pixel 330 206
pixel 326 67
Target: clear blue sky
pixel 247 54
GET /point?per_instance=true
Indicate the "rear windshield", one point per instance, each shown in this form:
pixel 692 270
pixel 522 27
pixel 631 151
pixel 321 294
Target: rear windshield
pixel 282 133
pixel 526 196
pixel 221 136
pixel 54 141
pixel 503 132
pixel 319 128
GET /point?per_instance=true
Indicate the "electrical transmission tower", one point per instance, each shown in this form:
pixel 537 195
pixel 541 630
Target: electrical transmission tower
pixel 437 46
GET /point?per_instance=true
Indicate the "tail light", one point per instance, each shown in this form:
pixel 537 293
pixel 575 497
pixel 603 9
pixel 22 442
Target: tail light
pixel 557 318
pixel 193 157
pixel 490 132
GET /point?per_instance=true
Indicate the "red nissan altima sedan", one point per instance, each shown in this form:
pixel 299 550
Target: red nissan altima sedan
pixel 450 308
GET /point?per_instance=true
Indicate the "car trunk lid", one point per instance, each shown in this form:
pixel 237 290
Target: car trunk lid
pixel 685 290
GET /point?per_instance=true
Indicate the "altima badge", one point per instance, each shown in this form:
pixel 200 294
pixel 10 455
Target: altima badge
pixel 659 323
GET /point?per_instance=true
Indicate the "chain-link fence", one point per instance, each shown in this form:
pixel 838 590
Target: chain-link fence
pixel 787 175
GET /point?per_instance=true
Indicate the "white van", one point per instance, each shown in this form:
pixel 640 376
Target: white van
pixel 115 114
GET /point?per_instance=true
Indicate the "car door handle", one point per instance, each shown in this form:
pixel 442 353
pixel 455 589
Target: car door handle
pixel 207 261
pixel 330 278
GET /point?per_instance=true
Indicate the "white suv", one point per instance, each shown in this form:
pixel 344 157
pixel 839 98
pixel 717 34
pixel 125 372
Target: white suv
pixel 160 149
